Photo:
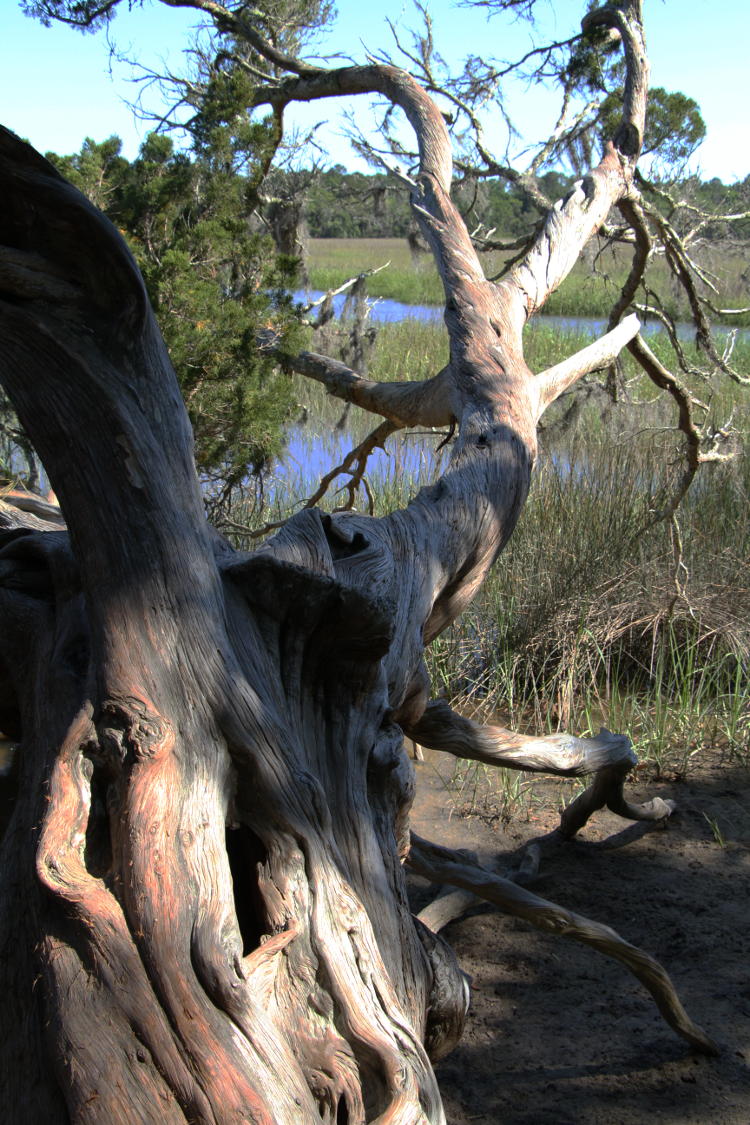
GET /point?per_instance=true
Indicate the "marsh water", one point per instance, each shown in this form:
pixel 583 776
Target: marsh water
pixel 384 310
pixel 410 457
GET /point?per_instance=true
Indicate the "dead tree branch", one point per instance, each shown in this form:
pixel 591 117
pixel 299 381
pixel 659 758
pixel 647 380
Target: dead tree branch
pixel 443 866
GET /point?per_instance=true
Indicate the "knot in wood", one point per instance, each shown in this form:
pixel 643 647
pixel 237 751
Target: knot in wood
pixel 133 731
pixel 628 140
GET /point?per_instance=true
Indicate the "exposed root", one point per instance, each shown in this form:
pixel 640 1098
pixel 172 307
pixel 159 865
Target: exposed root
pixel 607 789
pixel 442 728
pixel 444 866
pixel 450 905
pixel 610 757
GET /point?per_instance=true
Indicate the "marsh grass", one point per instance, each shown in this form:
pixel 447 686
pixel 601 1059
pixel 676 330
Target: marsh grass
pixel 586 620
pixel 496 796
pixel 414 281
pixel 589 290
pixel 582 623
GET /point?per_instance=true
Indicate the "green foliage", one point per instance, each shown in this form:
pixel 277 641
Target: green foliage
pixel 345 204
pixel 674 125
pixel 214 282
pixel 88 14
pixel 592 59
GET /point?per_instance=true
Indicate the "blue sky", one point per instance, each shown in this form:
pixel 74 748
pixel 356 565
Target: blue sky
pixel 58 86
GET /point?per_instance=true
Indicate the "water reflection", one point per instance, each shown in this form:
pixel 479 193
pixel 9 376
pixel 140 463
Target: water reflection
pixel 409 459
pixel 385 311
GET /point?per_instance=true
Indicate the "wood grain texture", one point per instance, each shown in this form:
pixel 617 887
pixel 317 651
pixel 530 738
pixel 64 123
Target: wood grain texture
pixel 206 913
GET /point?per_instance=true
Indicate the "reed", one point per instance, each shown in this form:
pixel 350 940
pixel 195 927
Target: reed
pixel 589 619
pixel 589 290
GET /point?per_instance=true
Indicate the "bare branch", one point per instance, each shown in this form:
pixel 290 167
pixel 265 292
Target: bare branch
pixel 633 215
pixel 684 269
pixel 430 402
pixel 664 378
pixel 443 866
pixel 239 25
pixel 563 130
pixel 555 380
pixel 624 17
pixel 25 501
pixel 565 755
pixel 354 465
pixel 325 302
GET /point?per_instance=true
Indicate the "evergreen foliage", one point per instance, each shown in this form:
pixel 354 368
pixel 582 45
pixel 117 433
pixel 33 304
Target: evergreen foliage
pixel 214 281
pixel 343 204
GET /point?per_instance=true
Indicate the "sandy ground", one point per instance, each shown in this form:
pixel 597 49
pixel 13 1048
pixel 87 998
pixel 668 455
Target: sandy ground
pixel 560 1035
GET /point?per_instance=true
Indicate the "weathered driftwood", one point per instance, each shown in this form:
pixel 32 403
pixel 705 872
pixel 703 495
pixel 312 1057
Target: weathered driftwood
pixel 442 728
pixel 205 915
pixel 607 789
pixel 25 501
pixel 451 903
pixel 447 907
pixel 441 865
pixel 609 756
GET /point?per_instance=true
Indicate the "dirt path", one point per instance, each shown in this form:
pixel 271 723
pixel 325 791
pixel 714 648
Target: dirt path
pixel 558 1034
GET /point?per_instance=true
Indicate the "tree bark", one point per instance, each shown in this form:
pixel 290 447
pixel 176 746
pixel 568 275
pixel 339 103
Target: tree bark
pixel 205 857
pixel 205 915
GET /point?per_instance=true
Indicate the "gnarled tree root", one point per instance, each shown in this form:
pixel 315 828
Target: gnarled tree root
pixel 607 789
pixel 454 903
pixel 444 866
pixel 609 756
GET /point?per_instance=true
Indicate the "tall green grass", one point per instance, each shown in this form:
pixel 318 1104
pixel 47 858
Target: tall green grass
pixel 589 290
pixel 413 280
pixel 587 619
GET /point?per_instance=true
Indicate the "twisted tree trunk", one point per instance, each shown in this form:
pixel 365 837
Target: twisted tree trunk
pixel 205 916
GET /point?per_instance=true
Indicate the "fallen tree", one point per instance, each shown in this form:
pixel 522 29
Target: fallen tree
pixel 205 913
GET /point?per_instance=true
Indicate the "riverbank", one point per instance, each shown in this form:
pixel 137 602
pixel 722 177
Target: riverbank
pixel 388 310
pixel 589 291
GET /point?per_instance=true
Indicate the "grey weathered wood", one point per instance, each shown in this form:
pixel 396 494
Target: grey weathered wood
pixel 204 906
pixel 442 865
pixel 610 756
pixel 442 728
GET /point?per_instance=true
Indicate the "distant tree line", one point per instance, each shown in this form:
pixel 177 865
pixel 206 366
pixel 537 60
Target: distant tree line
pixel 343 204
